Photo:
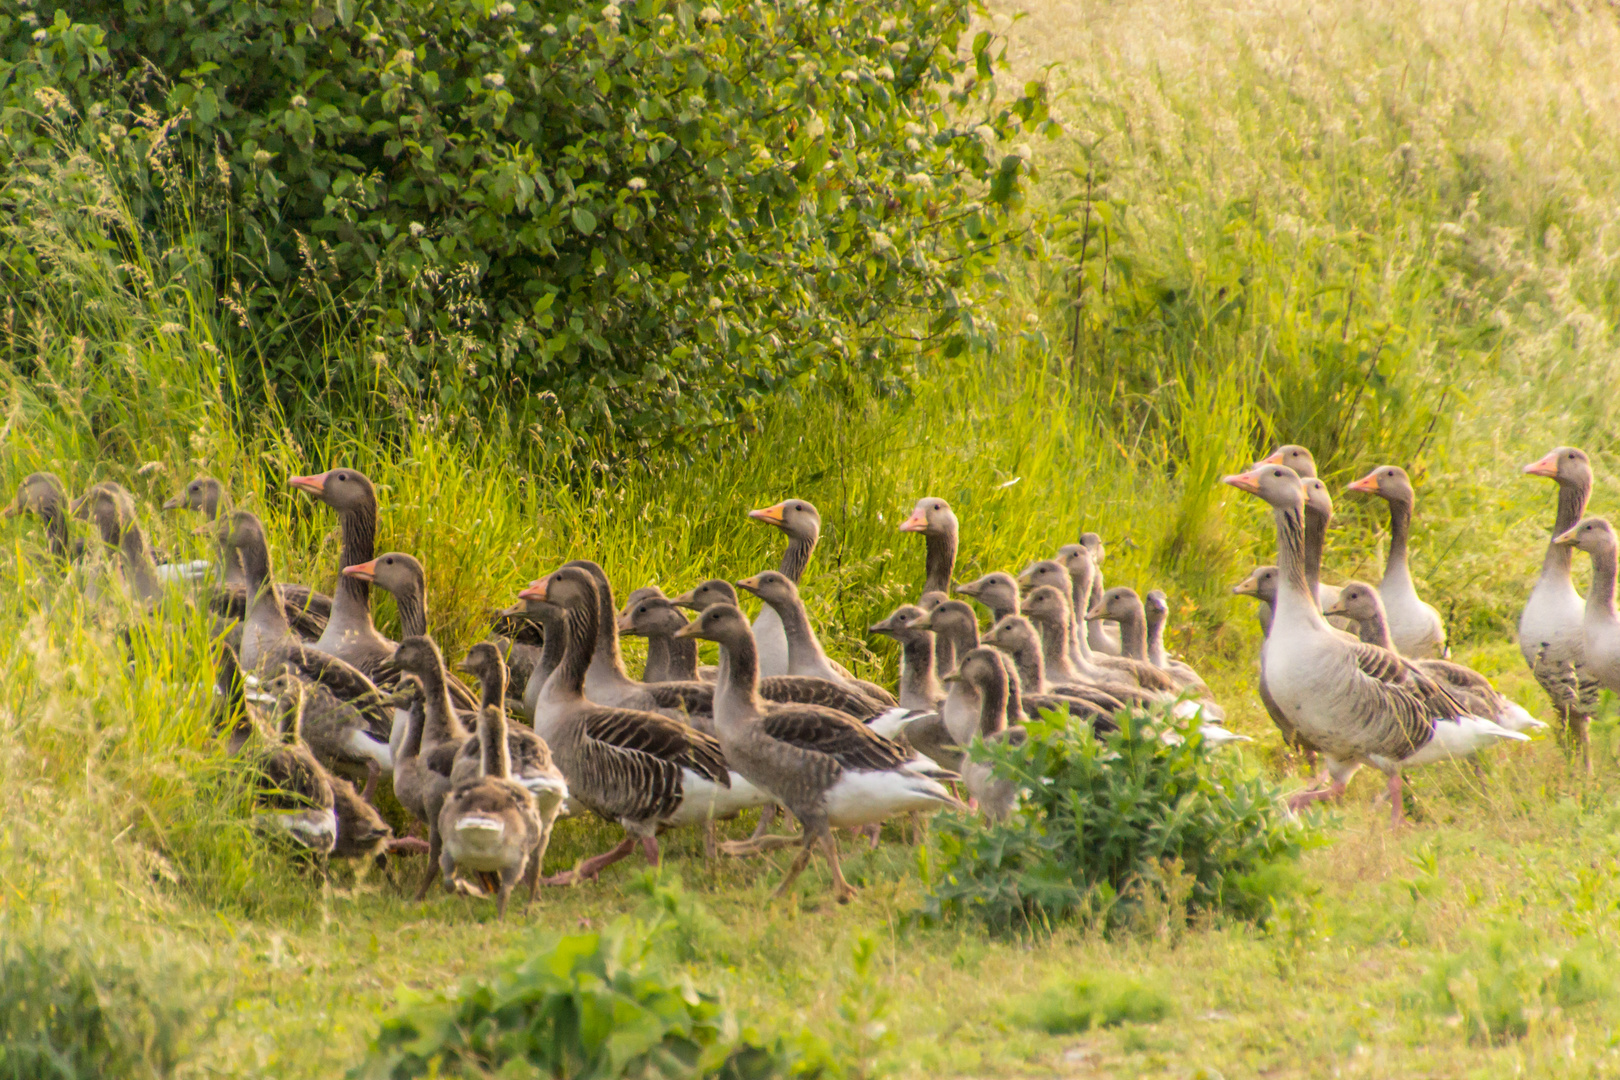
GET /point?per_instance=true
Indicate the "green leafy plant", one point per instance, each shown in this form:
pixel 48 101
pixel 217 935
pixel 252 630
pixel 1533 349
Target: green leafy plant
pixel 634 220
pixel 1115 829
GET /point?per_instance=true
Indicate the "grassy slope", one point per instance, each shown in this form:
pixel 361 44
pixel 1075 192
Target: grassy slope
pixel 1361 130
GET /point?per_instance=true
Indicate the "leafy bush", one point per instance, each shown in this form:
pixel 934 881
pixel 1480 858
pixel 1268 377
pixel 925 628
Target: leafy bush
pixel 1093 1002
pixel 638 219
pixel 1501 981
pixel 589 1007
pixel 66 1015
pixel 1115 829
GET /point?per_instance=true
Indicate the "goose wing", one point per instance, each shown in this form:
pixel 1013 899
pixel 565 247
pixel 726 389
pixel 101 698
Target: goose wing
pixel 839 736
pixel 1407 701
pixel 809 690
pixel 628 763
pixel 685 696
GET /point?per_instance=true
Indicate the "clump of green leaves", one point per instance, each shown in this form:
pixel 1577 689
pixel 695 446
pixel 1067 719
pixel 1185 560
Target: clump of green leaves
pixel 66 1014
pixel 638 219
pixel 1502 981
pixel 1135 826
pixel 1100 1000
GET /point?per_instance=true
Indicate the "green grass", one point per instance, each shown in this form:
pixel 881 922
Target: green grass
pixel 1429 196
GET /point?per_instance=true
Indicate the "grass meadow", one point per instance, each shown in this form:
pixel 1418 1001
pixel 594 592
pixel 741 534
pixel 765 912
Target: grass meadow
pixel 1391 234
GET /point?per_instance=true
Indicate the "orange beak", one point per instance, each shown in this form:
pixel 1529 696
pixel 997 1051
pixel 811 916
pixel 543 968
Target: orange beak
pixel 915 523
pixel 772 514
pixel 536 590
pixel 1246 481
pixel 1367 485
pixel 366 571
pixel 315 483
pixel 749 583
pixel 1273 458
pixel 1547 466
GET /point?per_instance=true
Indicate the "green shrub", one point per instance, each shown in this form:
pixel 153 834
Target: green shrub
pixel 66 1014
pixel 1093 1002
pixel 589 1007
pixel 1130 827
pixel 637 219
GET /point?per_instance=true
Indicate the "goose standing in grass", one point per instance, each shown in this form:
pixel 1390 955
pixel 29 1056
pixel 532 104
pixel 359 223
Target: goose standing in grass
pixel 350 635
pixel 292 793
pixel 42 495
pixel 1414 626
pixel 490 824
pixel 992 795
pixel 669 659
pixel 1047 609
pixel 1102 636
pixel 112 509
pixel 1551 637
pixel 1600 624
pixel 935 520
pixel 922 695
pixel 1357 702
pixel 1262 585
pixel 1124 607
pixel 307 610
pixel 433 737
pixel 1361 602
pixel 805 654
pixel 1318 516
pixel 802 524
pixel 826 768
pixel 638 768
pixel 348 720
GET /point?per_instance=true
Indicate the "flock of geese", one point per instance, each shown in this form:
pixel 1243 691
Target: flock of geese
pixel 314 698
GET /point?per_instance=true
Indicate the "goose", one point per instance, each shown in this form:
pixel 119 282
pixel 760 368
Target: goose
pixel 996 591
pixel 112 508
pixel 1414 626
pixel 701 596
pixel 993 796
pixel 656 618
pixel 43 495
pixel 1074 565
pixel 1357 702
pixel 642 769
pixel 1047 609
pixel 1262 585
pixel 1015 635
pixel 944 650
pixel 307 610
pixel 350 634
pixel 1318 516
pixel 490 824
pixel 1600 624
pixel 362 833
pixel 1156 608
pixel 802 523
pixel 1361 602
pixel 935 520
pixel 292 793
pixel 920 688
pixel 1101 636
pixel 1550 628
pixel 1124 607
pixel 806 657
pixel 434 736
pixel 826 768
pixel 531 762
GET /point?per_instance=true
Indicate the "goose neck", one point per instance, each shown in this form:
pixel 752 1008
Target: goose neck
pixel 441 723
pixel 139 569
pixel 1155 640
pixel 1572 498
pixel 1294 598
pixel 803 646
pixel 993 705
pixel 941 560
pixel 1600 598
pixel 1316 525
pixel 1374 630
pixel 412 613
pixel 1133 635
pixel 736 694
pixel 351 604
pixel 1400 528
pixel 569 676
pixel 797 557
pixel 682 658
pixel 495 755
pixel 919 682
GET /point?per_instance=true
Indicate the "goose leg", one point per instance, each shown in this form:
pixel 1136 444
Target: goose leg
pixel 841 888
pixel 711 843
pixel 797 868
pixel 373 772
pixel 435 856
pixel 588 869
pixel 759 845
pixel 649 848
pixel 1302 799
pixel 767 818
pixel 1396 812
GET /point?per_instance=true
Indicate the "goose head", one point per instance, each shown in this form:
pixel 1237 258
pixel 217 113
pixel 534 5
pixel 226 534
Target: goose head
pixel 797 518
pixel 1294 456
pixel 1047 604
pixel 997 591
pixel 638 595
pixel 39 493
pixel 651 616
pixel 982 670
pixel 720 623
pixel 1566 464
pixel 901 623
pixel 1359 601
pixel 950 616
pixel 1278 485
pixel 931 599
pixel 1093 543
pixel 341 488
pixel 110 507
pixel 1119 603
pixel 711 592
pixel 1260 584
pixel 1045 573
pixel 245 540
pixel 1317 499
pixel 395 572
pixel 565 589
pixel 1156 602
pixel 1388 482
pixel 204 494
pixel 483 661
pixel 931 516
pixel 419 656
pixel 1593 535
pixel 773 588
pixel 1012 633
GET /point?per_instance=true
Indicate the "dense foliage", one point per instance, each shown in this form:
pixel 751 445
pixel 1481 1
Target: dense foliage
pixel 587 1007
pixel 634 220
pixel 1115 828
